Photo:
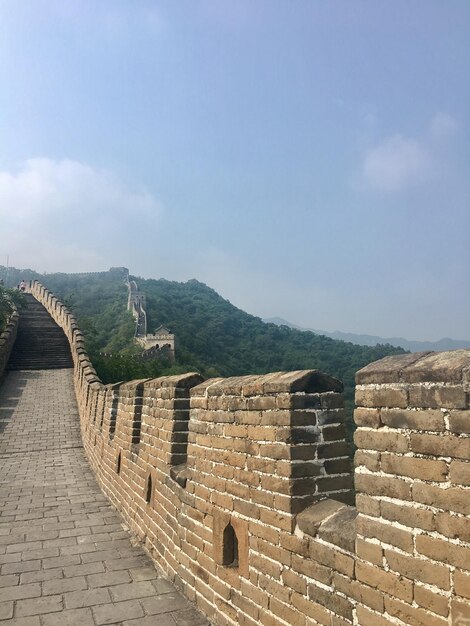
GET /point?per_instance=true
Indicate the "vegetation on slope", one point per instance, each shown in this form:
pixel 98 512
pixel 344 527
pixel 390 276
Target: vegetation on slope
pixel 213 336
pixel 9 300
pixel 219 338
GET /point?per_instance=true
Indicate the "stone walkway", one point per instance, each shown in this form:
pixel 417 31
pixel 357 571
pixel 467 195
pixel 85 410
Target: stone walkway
pixel 65 556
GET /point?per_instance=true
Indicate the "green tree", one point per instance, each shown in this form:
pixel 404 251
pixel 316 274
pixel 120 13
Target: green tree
pixel 9 300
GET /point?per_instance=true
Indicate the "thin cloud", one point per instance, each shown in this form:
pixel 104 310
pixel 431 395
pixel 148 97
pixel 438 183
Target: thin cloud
pixel 399 162
pixel 396 163
pixel 68 214
pixel 443 126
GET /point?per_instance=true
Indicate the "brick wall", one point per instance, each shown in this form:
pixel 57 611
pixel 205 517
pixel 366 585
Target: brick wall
pixel 240 488
pixel 7 339
pixel 413 487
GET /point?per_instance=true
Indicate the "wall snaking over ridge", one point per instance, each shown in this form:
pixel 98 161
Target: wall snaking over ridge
pixel 241 488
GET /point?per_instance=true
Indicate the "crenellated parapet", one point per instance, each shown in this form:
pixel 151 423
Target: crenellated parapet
pixel 242 488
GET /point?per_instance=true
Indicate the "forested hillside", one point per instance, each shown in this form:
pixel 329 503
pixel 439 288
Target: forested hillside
pixel 220 336
pixel 213 336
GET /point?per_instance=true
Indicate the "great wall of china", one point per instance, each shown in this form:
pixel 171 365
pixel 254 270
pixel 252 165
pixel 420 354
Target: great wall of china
pixel 161 341
pixel 241 489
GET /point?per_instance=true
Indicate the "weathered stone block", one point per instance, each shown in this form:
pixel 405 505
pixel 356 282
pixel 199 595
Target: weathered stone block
pixel 382 397
pixel 451 397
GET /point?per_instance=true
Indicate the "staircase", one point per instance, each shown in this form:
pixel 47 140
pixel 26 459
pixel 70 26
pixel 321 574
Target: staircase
pixel 40 343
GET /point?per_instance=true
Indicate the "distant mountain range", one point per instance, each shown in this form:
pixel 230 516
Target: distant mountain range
pixel 371 340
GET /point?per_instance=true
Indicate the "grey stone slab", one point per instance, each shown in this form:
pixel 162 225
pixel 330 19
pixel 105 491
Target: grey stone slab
pixel 23 621
pixel 84 569
pixel 135 561
pixel 6 610
pixel 40 554
pixel 146 572
pixel 38 606
pixel 69 617
pixel 100 555
pixel 23 546
pixel 9 580
pixel 165 619
pixel 8 538
pixel 88 597
pixel 117 613
pixel 74 532
pixel 61 561
pixel 98 538
pixel 163 586
pixel 165 603
pixel 191 617
pixel 14 557
pixel 132 590
pixel 60 542
pixel 63 585
pixel 109 579
pixel 41 575
pixel 21 591
pixel 42 535
pixel 78 549
pixel 109 527
pixel 18 568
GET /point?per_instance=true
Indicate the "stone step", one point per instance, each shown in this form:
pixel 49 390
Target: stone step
pixel 40 342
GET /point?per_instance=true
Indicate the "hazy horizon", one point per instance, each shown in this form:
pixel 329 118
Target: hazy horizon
pixel 309 163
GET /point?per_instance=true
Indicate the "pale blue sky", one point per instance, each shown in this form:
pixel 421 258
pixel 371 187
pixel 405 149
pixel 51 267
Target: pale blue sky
pixel 308 159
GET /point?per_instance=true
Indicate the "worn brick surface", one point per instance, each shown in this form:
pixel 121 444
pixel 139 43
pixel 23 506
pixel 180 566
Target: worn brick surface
pixel 64 556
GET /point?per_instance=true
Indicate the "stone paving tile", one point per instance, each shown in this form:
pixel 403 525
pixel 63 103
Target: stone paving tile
pixel 165 603
pixel 38 606
pixel 18 568
pixel 191 617
pixel 62 585
pixel 88 597
pixel 163 620
pixel 132 591
pixel 21 592
pixel 65 558
pixel 6 610
pixel 69 617
pixel 109 579
pixel 84 569
pixel 41 575
pixel 9 581
pixel 117 612
pixel 23 621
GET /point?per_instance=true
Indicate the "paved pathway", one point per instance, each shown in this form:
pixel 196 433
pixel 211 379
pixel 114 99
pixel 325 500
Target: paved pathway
pixel 65 556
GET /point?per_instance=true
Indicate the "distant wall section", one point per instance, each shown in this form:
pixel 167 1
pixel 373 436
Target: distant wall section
pixel 161 341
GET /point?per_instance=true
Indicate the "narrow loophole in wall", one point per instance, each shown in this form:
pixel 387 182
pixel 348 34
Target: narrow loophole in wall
pixel 137 420
pixel 103 408
pixel 86 397
pixel 95 407
pixel 118 464
pixel 230 547
pixel 180 434
pixel 148 490
pixel 113 412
